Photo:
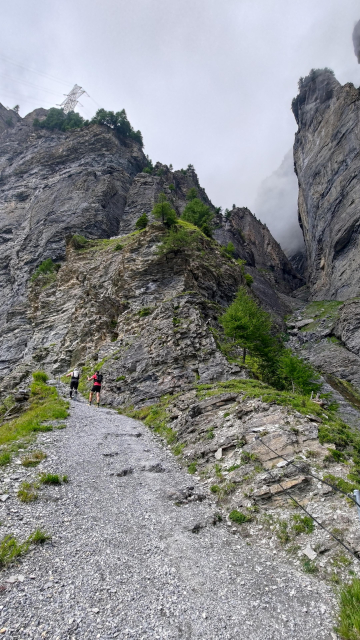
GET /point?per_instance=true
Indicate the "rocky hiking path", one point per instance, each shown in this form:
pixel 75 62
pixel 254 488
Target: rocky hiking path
pixel 126 562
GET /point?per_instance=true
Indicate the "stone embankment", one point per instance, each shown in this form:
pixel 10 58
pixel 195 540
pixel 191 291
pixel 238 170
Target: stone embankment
pixel 254 456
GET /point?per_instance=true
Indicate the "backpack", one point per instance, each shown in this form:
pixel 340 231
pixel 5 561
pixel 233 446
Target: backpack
pixel 75 373
pixel 98 378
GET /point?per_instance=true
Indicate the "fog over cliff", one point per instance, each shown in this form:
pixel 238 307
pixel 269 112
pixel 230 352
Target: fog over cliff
pixel 276 206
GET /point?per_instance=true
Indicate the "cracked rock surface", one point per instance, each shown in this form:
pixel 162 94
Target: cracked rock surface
pixel 126 562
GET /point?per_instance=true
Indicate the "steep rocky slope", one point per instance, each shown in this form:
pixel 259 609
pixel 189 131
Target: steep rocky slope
pixel 91 182
pixel 326 154
pixel 145 318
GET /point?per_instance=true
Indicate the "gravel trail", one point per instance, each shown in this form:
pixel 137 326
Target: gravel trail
pixel 126 562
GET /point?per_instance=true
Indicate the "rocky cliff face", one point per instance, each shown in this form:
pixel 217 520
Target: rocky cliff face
pixel 145 319
pixel 88 181
pixel 326 154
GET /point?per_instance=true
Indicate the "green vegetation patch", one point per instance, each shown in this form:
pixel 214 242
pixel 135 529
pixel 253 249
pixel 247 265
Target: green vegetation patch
pixel 45 405
pixel 28 492
pixel 340 483
pixel 48 270
pixel 239 517
pixel 57 119
pixel 155 417
pixel 33 459
pixel 11 549
pixel 52 478
pixel 348 625
pixel 302 524
pixel 5 458
pixel 320 310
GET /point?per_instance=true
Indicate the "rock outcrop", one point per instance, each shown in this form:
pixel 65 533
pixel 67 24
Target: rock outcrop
pixel 146 319
pixel 326 154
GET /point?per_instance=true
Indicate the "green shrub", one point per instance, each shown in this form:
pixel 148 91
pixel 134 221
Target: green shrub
pixel 57 119
pixel 192 468
pixel 46 268
pixel 198 213
pixel 145 311
pixel 215 488
pixel 147 170
pixel 228 251
pixel 142 222
pixel 294 371
pixel 252 329
pixel 239 517
pixel 40 376
pixel 177 239
pixel 119 378
pixel 349 615
pixel 118 122
pixel 163 211
pixel 118 246
pixel 248 279
pixel 78 242
pixel 171 187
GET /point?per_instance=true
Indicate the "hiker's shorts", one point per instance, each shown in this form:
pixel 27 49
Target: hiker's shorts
pixel 96 389
pixel 74 384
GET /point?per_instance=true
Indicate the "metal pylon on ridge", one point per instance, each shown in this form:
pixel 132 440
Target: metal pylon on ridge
pixel 72 98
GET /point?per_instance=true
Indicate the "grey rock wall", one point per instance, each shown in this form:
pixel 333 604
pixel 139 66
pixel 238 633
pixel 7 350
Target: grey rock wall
pixel 53 185
pixel 327 163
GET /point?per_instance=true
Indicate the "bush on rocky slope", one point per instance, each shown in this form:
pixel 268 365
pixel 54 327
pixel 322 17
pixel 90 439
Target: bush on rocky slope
pixel 252 329
pixel 57 119
pixel 119 122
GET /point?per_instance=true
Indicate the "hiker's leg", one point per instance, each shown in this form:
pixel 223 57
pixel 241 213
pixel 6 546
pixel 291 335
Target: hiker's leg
pixel 90 397
pixel 98 397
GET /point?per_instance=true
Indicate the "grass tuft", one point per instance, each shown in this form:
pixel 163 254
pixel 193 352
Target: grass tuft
pixel 5 458
pixel 10 550
pixel 238 517
pixel 50 478
pixel 349 615
pixel 27 492
pixel 192 468
pixel 39 537
pixel 33 459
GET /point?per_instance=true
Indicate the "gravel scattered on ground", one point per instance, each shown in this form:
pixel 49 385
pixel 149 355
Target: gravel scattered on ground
pixel 135 552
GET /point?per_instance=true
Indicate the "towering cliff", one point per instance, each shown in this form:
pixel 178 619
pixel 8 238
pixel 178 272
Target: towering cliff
pixel 89 181
pixel 327 163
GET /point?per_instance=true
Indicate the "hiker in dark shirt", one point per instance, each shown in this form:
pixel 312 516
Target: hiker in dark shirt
pixel 74 382
pixel 96 388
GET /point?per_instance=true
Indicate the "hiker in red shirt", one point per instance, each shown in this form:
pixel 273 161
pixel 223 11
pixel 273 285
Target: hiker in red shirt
pixel 97 377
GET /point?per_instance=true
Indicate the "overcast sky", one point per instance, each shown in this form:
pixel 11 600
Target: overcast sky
pixel 208 82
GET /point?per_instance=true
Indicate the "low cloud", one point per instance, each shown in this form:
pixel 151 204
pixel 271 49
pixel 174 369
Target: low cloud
pixel 356 40
pixel 276 206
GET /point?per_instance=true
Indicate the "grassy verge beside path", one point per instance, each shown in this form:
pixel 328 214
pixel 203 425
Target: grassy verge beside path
pixel 45 405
